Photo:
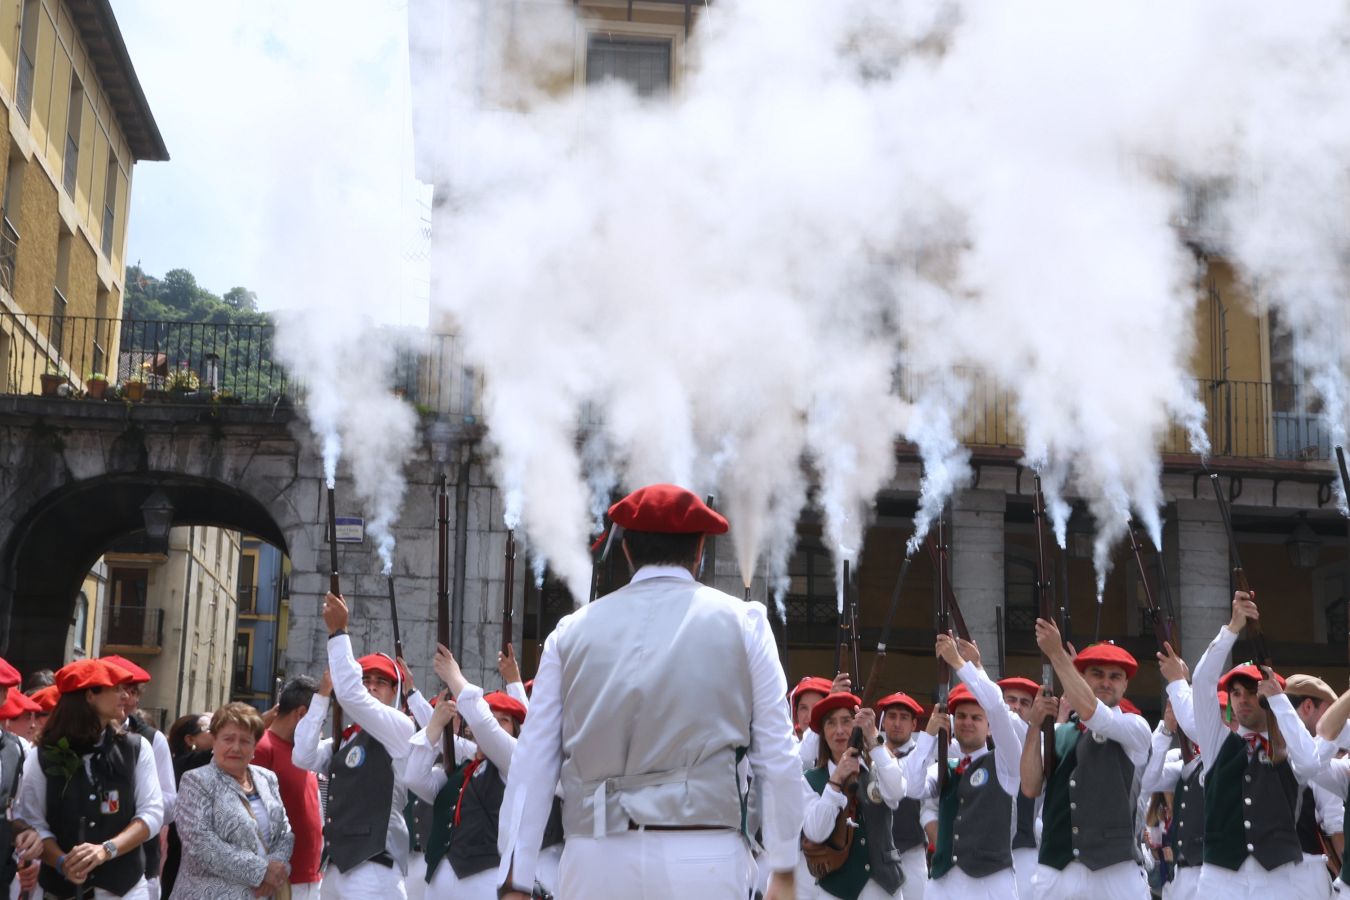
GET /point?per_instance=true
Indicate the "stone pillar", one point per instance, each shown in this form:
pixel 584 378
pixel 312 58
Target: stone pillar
pixel 977 543
pixel 1202 572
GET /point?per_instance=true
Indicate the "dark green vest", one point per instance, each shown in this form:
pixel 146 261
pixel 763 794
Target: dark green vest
pixel 1089 810
pixel 1188 819
pixel 868 859
pixel 974 822
pixel 1249 810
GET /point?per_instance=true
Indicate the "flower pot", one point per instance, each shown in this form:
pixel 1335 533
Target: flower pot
pixel 50 383
pixel 96 388
pixel 134 390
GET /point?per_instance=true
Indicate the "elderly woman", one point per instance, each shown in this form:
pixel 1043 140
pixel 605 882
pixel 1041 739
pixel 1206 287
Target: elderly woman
pixel 236 839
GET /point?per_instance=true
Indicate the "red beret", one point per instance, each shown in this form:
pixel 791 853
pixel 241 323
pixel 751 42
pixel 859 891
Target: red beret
pixel 829 705
pixel 810 684
pixel 1246 670
pixel 89 673
pixel 136 673
pixel 958 695
pixel 666 509
pixel 16 704
pixel 1018 683
pixel 903 700
pixel 46 698
pixel 9 676
pixel 499 702
pixel 1127 706
pixel 380 665
pixel 1106 654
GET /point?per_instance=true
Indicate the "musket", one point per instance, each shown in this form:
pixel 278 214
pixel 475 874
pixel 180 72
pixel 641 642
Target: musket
pixel 851 593
pixel 443 596
pixel 1345 473
pixel 944 671
pixel 872 689
pixel 709 572
pixel 509 590
pixel 393 614
pixel 1254 635
pixel 615 536
pixel 1162 627
pixel 334 588
pixel 1045 598
pixel 842 641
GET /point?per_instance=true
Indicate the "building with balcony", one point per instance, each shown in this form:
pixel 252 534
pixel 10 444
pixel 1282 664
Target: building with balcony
pixel 264 598
pixel 76 123
pixel 172 610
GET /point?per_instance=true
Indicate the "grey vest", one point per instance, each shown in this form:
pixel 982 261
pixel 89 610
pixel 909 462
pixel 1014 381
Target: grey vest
pixel 1024 838
pixel 1188 820
pixel 979 820
pixel 11 768
pixel 906 830
pixel 655 709
pixel 361 789
pixel 1090 807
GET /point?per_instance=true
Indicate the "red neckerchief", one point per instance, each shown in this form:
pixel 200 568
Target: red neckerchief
pixel 1255 740
pixel 464 786
pixel 349 731
pixel 962 766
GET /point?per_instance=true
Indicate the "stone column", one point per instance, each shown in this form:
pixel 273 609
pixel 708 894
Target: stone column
pixel 1202 574
pixel 977 543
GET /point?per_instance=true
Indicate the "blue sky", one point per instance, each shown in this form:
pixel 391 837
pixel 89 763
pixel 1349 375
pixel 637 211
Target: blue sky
pixel 291 169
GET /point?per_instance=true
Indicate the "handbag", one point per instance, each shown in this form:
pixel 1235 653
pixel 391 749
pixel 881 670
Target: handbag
pixel 830 856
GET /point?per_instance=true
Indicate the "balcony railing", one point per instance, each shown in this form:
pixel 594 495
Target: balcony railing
pixel 135 627
pixel 246 600
pixel 234 362
pixel 9 254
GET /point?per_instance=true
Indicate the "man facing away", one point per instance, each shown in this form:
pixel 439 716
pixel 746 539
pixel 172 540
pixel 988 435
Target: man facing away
pixel 644 703
pixel 299 787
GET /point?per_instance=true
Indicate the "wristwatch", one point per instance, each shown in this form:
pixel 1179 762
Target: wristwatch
pixel 110 848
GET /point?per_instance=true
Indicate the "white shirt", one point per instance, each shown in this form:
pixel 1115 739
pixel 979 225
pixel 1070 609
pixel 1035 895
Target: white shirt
pixel 32 801
pixel 823 809
pixel 1131 732
pixel 772 756
pixel 425 772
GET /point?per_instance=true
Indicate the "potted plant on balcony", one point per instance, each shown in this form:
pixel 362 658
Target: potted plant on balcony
pixel 181 382
pixel 133 388
pixel 52 380
pixel 96 385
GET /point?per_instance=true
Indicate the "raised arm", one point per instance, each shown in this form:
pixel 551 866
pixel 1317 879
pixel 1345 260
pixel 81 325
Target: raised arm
pixel 1008 738
pixel 384 723
pixel 1044 707
pixel 312 751
pixel 1209 727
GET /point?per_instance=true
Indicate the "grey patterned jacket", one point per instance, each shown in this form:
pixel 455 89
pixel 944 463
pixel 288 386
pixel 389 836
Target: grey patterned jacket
pixel 221 858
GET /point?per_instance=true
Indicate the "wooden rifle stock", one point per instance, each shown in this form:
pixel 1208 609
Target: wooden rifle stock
pixel 509 590
pixel 1045 598
pixel 872 689
pixel 1162 628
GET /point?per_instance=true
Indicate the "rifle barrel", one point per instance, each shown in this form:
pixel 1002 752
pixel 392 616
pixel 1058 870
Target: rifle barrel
pixel 1044 591
pixel 393 614
pixel 334 588
pixel 1240 582
pixel 509 590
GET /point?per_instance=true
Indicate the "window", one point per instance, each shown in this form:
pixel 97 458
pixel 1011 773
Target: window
pixel 1019 591
pixel 109 203
pixel 245 591
pixel 1294 407
pixel 71 164
pixel 28 34
pixel 243 661
pixel 9 237
pixel 81 624
pixel 641 63
pixel 128 618
pixel 812 599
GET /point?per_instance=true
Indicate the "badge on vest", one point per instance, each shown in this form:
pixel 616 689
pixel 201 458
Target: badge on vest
pixel 111 803
pixel 979 777
pixel 355 757
pixel 874 792
pixel 1098 736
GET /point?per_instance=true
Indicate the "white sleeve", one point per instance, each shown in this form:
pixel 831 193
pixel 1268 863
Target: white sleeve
pixel 149 798
pixel 916 766
pixel 928 811
pixel 1334 779
pixel 516 690
pixel 890 777
pixel 422 771
pixel 1008 739
pixel 1330 809
pixel 536 765
pixel 1210 731
pixel 1302 750
pixel 311 750
pixel 1126 729
pixel 421 708
pixel 31 804
pixel 808 748
pixel 384 723
pixel 776 768
pixel 1156 776
pixel 1183 706
pixel 497 745
pixel 822 810
pixel 168 784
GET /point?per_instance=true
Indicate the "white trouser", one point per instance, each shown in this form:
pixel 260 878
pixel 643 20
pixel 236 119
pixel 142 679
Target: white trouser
pixel 415 885
pixel 1185 884
pixel 873 891
pixel 1025 861
pixel 368 881
pixel 445 883
pixel 914 863
pixel 1313 877
pixel 152 887
pixel 807 889
pixel 139 891
pixel 1123 881
pixel 307 891
pixel 957 885
pixel 1254 882
pixel 656 865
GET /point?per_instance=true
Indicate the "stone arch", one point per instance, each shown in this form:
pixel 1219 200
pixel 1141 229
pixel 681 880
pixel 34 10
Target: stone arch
pixel 54 542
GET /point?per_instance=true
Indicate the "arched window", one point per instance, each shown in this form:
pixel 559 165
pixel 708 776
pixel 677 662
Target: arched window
pixel 1019 595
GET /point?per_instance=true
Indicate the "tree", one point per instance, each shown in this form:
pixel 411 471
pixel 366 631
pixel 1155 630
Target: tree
pixel 241 299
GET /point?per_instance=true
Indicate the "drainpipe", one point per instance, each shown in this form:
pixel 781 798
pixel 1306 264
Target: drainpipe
pixel 183 627
pixel 461 551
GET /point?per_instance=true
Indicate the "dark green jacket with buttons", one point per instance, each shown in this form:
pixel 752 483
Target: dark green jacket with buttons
pixel 1249 809
pixel 873 856
pixel 974 822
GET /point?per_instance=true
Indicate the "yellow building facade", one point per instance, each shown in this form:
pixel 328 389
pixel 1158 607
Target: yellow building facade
pixel 75 123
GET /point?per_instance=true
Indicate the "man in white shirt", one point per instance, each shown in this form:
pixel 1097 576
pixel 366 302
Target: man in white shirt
pixel 644 703
pixel 900 713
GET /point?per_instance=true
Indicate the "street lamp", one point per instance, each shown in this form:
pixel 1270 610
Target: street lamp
pixel 1303 544
pixel 158 514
